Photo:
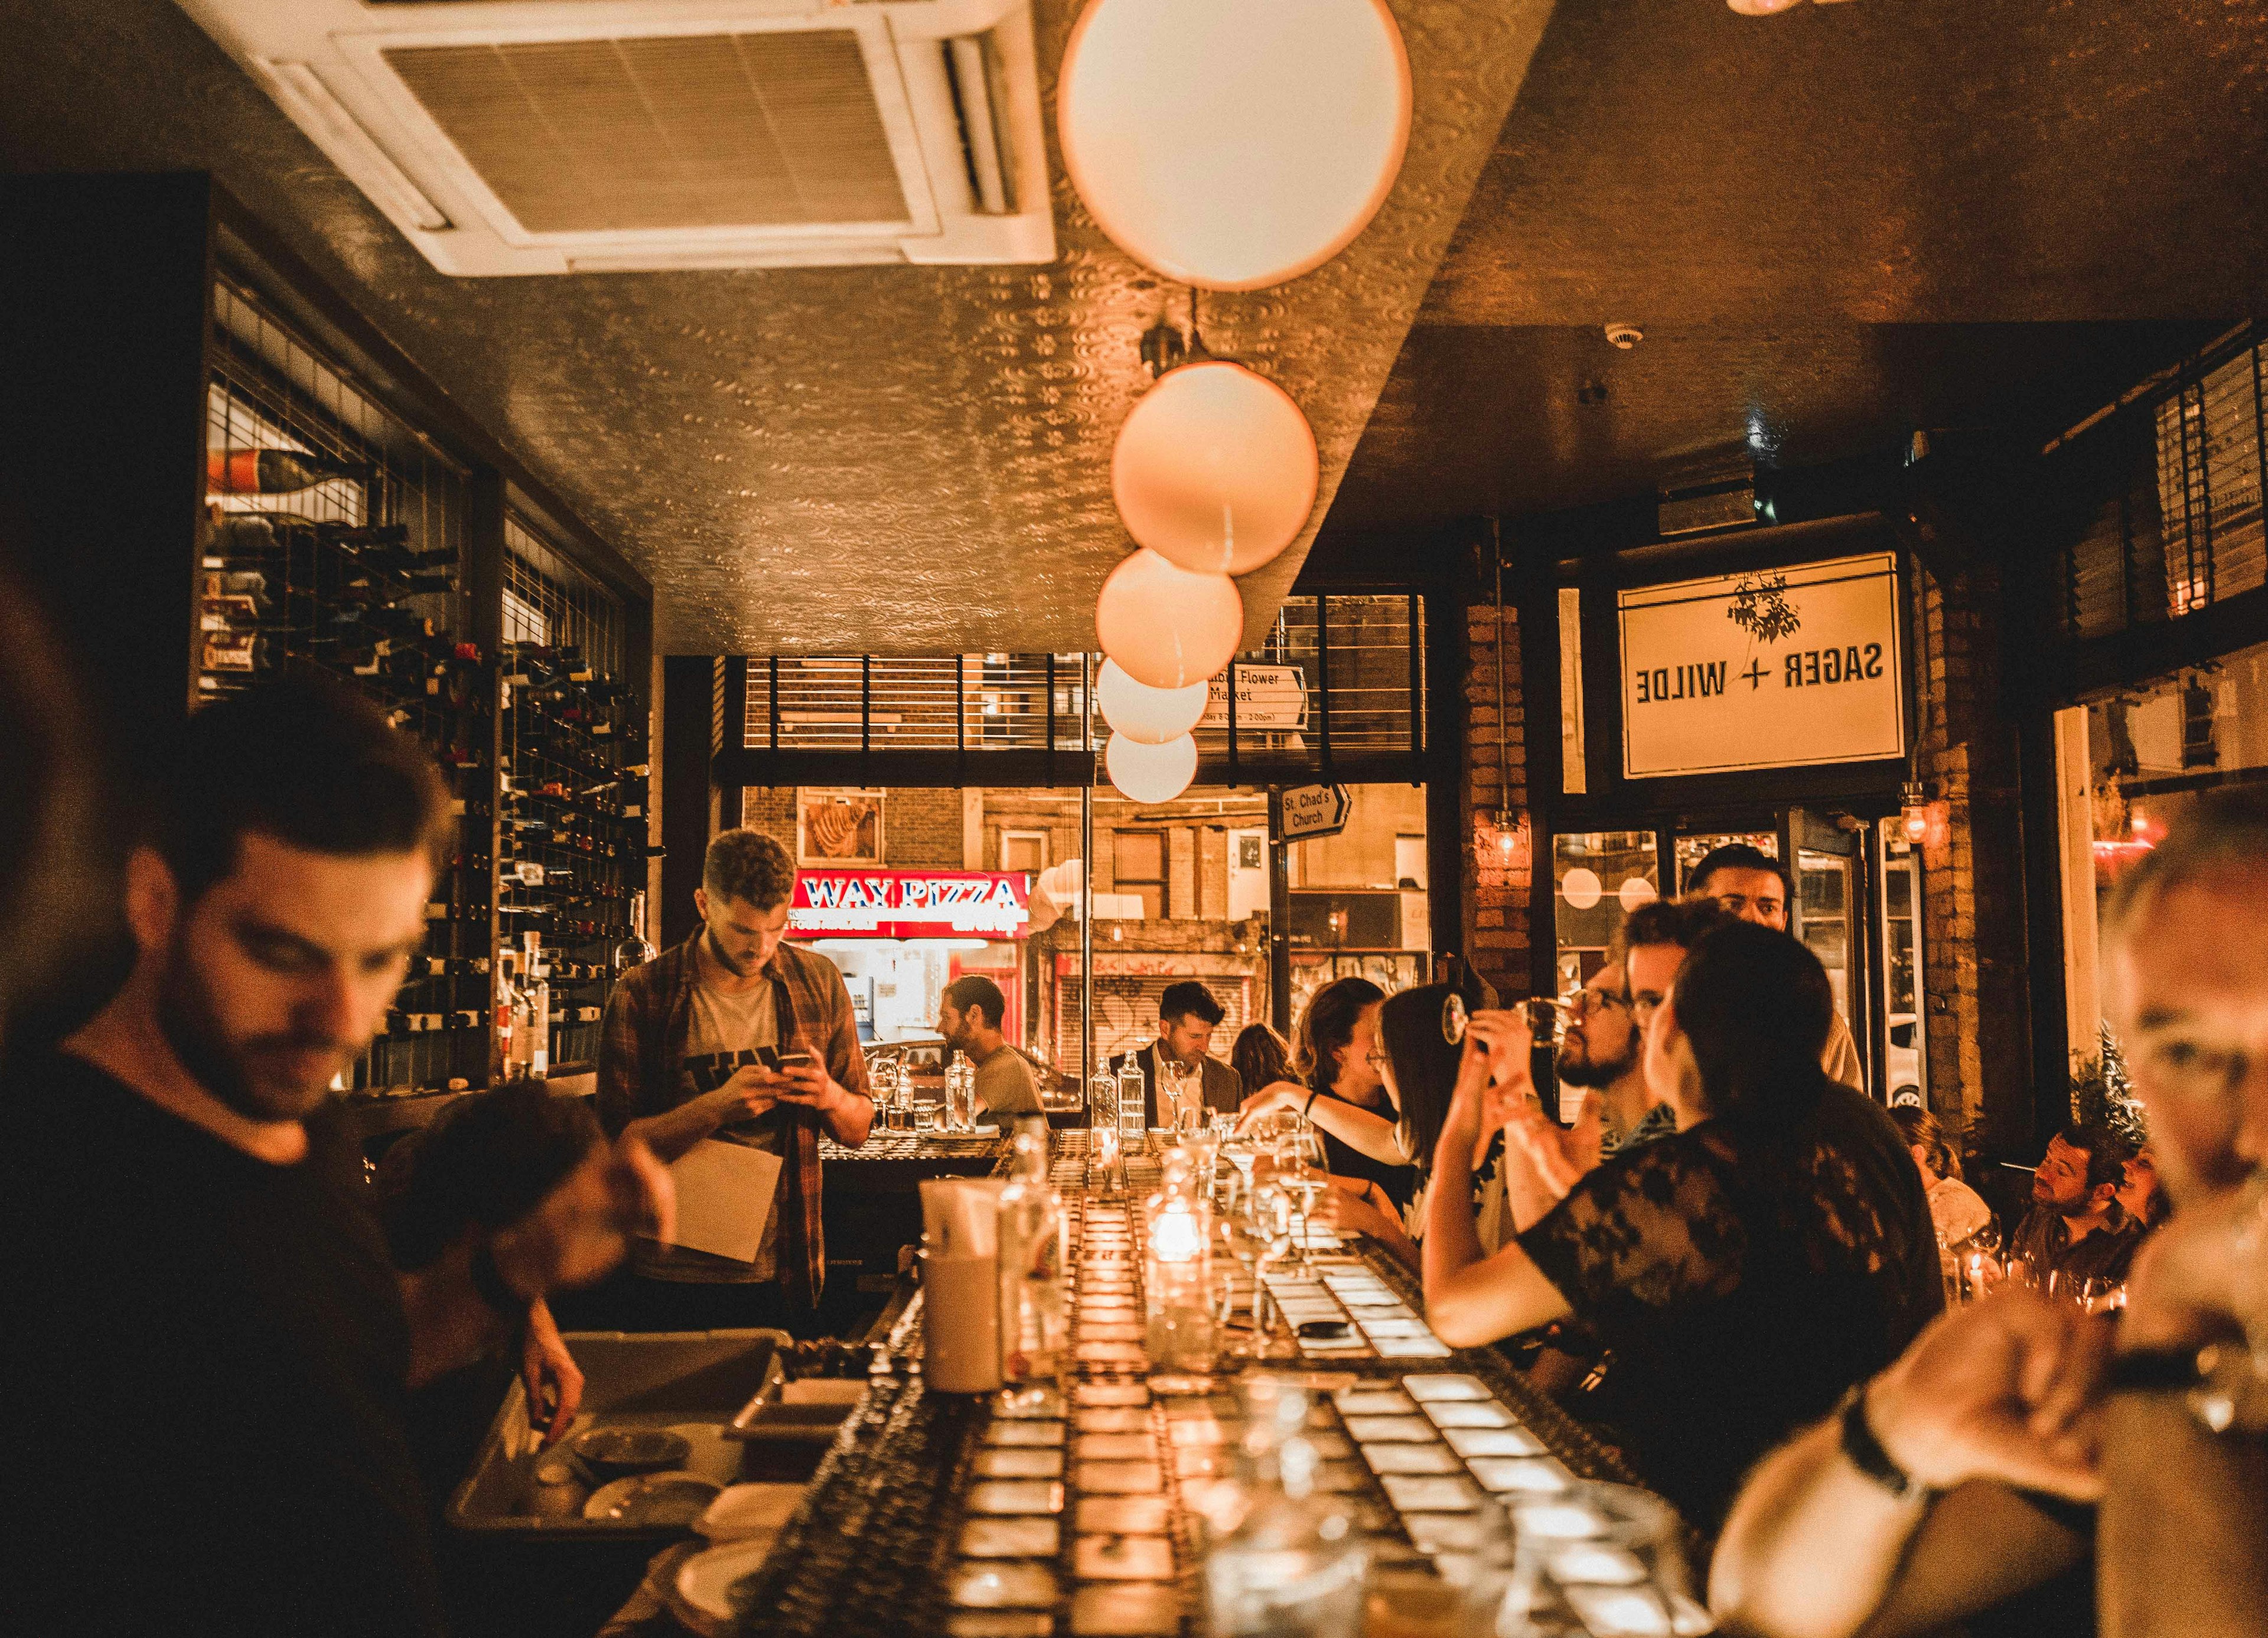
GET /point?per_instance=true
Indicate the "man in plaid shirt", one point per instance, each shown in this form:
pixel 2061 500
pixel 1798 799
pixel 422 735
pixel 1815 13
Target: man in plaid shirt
pixel 674 1067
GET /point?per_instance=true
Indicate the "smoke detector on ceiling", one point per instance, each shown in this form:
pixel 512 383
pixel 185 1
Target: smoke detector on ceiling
pixel 1625 336
pixel 611 135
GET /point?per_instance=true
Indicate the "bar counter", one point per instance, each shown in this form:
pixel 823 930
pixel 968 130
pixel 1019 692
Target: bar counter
pixel 1073 1510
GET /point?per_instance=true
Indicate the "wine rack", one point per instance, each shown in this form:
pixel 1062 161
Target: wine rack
pixel 572 786
pixel 334 542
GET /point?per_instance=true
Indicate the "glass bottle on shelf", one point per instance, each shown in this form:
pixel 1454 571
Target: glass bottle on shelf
pixel 1133 1106
pixel 1286 1559
pixel 1106 1166
pixel 537 995
pixel 1034 1337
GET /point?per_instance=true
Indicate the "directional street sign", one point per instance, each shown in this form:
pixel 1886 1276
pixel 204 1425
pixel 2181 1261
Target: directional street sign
pixel 1314 810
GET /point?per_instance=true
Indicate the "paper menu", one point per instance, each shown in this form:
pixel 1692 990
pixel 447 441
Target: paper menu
pixel 725 1197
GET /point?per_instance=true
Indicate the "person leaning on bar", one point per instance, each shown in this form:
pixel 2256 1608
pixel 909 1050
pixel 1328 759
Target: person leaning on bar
pixel 678 1062
pixel 206 1348
pixel 1745 1270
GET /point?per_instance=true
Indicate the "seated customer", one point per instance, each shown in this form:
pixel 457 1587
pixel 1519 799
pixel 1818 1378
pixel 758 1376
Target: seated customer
pixel 1419 1068
pixel 1342 1090
pixel 2076 1229
pixel 1931 1499
pixel 1745 1270
pixel 1957 1210
pixel 2142 1194
pixel 969 1017
pixel 1260 1057
pixel 1749 883
pixel 1188 1014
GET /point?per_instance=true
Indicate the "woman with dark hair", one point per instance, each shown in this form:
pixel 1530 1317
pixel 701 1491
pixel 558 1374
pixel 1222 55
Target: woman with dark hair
pixel 1260 1057
pixel 1957 1210
pixel 1418 1066
pixel 1746 1270
pixel 1337 1062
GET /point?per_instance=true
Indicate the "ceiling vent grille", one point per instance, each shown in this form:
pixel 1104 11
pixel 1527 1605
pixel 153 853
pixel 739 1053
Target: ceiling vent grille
pixel 539 137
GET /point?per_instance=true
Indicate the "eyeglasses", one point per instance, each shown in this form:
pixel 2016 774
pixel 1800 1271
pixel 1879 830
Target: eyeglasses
pixel 1598 999
pixel 1376 1059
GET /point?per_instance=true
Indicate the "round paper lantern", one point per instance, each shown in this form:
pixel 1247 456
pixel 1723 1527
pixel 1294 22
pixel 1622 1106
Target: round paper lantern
pixel 1166 627
pixel 1635 891
pixel 1151 773
pixel 1215 468
pixel 1581 888
pixel 1149 715
pixel 1234 143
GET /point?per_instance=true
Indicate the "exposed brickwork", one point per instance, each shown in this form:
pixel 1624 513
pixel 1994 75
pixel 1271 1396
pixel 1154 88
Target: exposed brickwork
pixel 772 809
pixel 922 830
pixel 1497 888
pixel 1976 999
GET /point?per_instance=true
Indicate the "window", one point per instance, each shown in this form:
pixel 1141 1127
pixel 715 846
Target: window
pixel 1138 864
pixel 2126 765
pixel 1024 850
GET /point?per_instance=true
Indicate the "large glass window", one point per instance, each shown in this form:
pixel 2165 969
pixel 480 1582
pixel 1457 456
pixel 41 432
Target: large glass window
pixel 2127 764
pixel 1598 877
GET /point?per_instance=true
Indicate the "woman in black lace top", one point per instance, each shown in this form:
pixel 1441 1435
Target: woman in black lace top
pixel 1746 1271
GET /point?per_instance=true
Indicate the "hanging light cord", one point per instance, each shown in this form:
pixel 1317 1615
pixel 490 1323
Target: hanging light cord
pixel 1503 763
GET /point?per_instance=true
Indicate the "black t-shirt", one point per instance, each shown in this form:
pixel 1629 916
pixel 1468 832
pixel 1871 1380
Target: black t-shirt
pixel 208 1354
pixel 1345 1161
pixel 1744 1280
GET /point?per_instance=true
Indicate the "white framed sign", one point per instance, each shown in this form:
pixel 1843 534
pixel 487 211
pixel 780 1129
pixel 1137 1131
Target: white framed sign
pixel 1773 668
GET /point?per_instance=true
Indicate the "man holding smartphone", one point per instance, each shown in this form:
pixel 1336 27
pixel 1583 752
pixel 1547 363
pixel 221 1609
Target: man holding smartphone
pixel 739 1036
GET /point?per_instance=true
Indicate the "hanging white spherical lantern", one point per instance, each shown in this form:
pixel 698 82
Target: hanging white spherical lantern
pixel 1215 468
pixel 1581 888
pixel 1151 715
pixel 1151 773
pixel 1234 143
pixel 1166 627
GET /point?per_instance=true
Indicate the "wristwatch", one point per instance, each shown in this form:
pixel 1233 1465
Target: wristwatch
pixel 1864 1451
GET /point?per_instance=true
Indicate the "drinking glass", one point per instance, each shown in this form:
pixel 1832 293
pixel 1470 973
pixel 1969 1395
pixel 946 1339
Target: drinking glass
pixel 1598 1561
pixel 1299 1173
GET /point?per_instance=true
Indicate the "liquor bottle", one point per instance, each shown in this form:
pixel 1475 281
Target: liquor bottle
pixel 1286 1559
pixel 1106 1165
pixel 507 1014
pixel 274 471
pixel 1133 1107
pixel 539 1010
pixel 1033 1333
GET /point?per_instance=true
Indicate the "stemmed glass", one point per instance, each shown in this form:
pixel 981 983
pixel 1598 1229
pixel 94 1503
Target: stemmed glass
pixel 1248 1232
pixel 1299 1169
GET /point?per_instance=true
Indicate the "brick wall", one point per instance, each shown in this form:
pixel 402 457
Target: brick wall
pixel 922 830
pixel 1975 1000
pixel 1497 888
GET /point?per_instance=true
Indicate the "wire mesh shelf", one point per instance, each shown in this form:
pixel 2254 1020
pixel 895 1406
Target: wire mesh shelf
pixel 335 539
pixel 572 781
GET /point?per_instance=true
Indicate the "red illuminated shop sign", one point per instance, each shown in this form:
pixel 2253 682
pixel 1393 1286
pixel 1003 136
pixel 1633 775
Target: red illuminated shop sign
pixel 910 904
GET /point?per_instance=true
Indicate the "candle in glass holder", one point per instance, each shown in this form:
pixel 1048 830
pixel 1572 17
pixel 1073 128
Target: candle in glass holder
pixel 1177 1265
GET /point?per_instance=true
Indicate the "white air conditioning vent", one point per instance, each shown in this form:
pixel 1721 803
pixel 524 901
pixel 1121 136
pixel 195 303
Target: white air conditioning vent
pixel 609 135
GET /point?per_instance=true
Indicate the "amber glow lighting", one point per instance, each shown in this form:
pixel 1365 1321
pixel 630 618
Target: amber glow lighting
pixel 1151 773
pixel 1216 470
pixel 1150 716
pixel 1233 145
pixel 1166 627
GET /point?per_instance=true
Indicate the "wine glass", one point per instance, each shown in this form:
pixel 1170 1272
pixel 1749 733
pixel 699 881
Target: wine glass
pixel 1299 1171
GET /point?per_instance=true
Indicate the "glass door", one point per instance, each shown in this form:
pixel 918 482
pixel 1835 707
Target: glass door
pixel 1906 1059
pixel 1827 915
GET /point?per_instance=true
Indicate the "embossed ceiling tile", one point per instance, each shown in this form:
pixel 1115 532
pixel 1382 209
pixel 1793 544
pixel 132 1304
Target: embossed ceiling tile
pixel 893 459
pixel 1884 161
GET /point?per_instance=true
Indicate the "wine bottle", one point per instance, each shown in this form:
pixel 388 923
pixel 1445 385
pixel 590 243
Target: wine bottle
pixel 274 471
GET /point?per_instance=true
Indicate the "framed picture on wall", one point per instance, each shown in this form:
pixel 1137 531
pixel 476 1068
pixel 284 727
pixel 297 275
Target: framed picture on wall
pixel 838 828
